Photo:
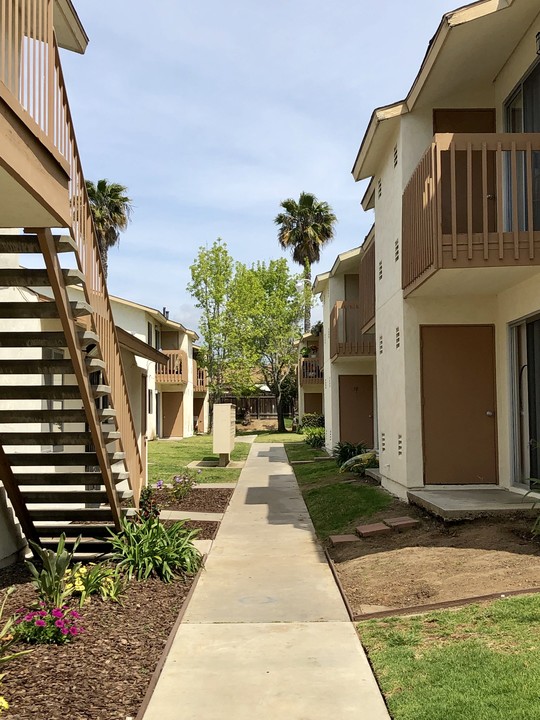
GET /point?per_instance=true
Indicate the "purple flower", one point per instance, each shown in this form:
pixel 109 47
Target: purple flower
pixel 43 613
pixel 75 614
pixel 57 613
pixel 29 616
pixel 40 623
pixel 159 484
pixel 73 630
pixel 64 631
pixel 19 611
pixel 59 623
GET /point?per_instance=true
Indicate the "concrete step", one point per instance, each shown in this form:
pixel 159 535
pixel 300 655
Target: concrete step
pixel 27 277
pixel 45 438
pixel 116 456
pixel 84 514
pixel 36 367
pixel 111 435
pixel 26 244
pixel 87 338
pixel 101 390
pixel 106 414
pixel 120 475
pixel 94 364
pixel 56 478
pixel 73 459
pixel 33 339
pixel 42 416
pixel 40 392
pixel 65 496
pixel 73 530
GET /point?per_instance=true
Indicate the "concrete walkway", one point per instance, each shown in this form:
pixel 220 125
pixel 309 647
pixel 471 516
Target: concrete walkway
pixel 266 634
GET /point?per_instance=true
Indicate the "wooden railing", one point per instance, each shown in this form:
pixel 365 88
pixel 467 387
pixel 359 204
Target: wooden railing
pixel 472 201
pixel 200 378
pixel 367 287
pixel 311 372
pixel 32 83
pixel 346 336
pixel 176 369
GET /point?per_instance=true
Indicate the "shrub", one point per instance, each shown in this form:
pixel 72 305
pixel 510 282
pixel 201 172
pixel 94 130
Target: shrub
pixel 148 548
pixel 311 420
pixel 315 437
pixel 50 581
pixel 360 463
pixel 48 626
pixel 148 507
pixel 96 579
pixel 344 451
pixel 183 483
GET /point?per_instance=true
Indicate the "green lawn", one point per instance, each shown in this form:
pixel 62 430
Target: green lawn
pixel 301 451
pixel 166 457
pixel 334 505
pixel 481 662
pixel 270 436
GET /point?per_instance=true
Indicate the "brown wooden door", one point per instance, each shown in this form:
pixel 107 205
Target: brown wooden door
pixel 458 398
pixel 356 409
pixel 173 416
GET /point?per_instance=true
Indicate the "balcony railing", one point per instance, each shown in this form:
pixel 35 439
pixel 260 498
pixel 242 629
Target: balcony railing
pixel 346 336
pixel 367 286
pixel 32 83
pixel 200 379
pixel 176 369
pixel 473 201
pixel 311 372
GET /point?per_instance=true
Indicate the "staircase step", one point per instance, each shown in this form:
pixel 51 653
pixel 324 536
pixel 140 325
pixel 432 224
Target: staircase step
pixel 29 243
pixel 117 456
pixel 73 530
pixel 40 392
pixel 45 438
pixel 84 514
pixel 26 277
pixel 107 414
pixel 18 310
pixel 101 390
pixel 30 339
pixel 87 337
pixel 94 364
pixel 83 459
pixel 75 478
pixel 36 367
pixel 120 475
pixel 87 545
pixel 42 416
pixel 111 435
pixel 65 496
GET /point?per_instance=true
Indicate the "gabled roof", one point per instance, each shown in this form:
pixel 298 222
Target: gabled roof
pixel 159 316
pixel 345 261
pixel 472 44
pixel 68 28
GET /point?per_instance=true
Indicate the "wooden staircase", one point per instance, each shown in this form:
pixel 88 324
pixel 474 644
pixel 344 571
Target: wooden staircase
pixel 62 460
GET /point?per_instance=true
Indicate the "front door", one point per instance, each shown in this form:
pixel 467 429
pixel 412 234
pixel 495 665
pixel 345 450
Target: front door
pixel 458 403
pixel 356 409
pixel 173 416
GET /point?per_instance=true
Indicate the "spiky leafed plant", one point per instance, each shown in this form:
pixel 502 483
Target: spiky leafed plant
pixel 304 227
pixel 111 210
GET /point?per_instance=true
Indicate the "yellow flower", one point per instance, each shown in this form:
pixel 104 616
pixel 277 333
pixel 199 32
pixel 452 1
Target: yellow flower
pixel 4 705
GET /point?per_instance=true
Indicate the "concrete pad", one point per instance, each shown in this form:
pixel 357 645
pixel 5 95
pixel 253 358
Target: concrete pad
pixel 464 503
pixel 239 589
pixel 249 439
pixel 187 515
pixel 312 671
pixel 203 546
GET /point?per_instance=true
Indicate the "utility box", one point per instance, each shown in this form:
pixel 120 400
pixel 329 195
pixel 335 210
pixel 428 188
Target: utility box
pixel 224 432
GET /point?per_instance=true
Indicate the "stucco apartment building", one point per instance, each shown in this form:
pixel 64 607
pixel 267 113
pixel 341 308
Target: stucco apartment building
pixel 449 277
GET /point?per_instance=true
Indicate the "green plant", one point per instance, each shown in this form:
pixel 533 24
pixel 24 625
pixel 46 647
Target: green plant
pixel 315 437
pixel 183 483
pixel 311 420
pixel 148 506
pixel 48 626
pixel 344 451
pixel 149 548
pixel 51 580
pixel 360 463
pixel 96 579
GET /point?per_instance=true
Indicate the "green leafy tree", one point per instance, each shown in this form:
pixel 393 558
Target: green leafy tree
pixel 111 209
pixel 304 228
pixel 267 308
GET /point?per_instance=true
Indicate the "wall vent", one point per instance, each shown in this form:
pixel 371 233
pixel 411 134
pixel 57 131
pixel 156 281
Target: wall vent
pixel 395 156
pixel 380 269
pixel 398 338
pixel 383 442
pixel 400 445
pixel 379 188
pixel 380 345
pixel 396 250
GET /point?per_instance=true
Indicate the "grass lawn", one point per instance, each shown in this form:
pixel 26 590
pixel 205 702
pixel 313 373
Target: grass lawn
pixel 477 663
pixel 301 451
pixel 334 505
pixel 271 436
pixel 167 457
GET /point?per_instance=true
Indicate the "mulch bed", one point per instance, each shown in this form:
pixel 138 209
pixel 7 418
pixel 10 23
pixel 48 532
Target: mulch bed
pixel 207 529
pixel 198 500
pixel 103 674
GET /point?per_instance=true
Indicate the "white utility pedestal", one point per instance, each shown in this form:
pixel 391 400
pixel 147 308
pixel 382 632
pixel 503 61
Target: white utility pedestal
pixel 224 429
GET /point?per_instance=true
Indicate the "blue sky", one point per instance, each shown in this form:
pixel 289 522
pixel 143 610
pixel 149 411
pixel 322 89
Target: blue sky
pixel 213 112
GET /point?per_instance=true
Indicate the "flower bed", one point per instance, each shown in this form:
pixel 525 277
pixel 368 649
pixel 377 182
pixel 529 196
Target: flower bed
pixel 198 500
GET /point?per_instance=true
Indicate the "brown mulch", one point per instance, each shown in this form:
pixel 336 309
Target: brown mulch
pixel 438 562
pixel 207 529
pixel 102 674
pixel 198 500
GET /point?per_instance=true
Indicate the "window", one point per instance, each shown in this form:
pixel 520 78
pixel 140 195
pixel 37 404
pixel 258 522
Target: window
pixel 157 338
pixel 149 333
pixel 150 408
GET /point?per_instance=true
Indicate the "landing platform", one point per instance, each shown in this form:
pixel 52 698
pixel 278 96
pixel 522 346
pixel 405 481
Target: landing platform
pixel 463 503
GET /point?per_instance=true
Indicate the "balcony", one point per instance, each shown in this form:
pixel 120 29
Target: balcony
pixel 367 285
pixel 176 369
pixel 346 336
pixel 310 372
pixel 200 379
pixel 473 202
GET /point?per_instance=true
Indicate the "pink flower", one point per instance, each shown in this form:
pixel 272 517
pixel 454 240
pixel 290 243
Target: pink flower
pixel 64 631
pixel 59 623
pixel 29 616
pixel 43 613
pixel 75 614
pixel 73 630
pixel 41 623
pixel 57 613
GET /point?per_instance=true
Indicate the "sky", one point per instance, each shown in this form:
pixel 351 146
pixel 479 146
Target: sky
pixel 213 112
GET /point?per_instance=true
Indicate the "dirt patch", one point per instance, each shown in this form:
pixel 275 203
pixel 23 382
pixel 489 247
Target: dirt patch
pixel 257 426
pixel 104 673
pixel 198 500
pixel 438 561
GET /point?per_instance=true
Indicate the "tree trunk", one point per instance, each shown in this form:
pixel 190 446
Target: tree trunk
pixel 307 296
pixel 103 251
pixel 280 415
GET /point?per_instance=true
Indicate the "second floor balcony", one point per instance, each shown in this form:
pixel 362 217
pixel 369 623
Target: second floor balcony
pixel 176 369
pixel 200 379
pixel 346 336
pixel 311 372
pixel 472 202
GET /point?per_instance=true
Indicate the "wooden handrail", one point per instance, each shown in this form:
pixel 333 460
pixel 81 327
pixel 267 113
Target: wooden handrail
pixel 346 336
pixel 175 371
pixel 311 372
pixel 200 378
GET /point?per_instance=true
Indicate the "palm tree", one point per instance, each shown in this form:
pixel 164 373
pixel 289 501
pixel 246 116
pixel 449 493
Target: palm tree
pixel 111 209
pixel 305 227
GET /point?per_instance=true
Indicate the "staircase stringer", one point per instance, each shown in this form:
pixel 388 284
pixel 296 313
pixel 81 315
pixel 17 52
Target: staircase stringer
pixel 69 327
pixel 14 494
